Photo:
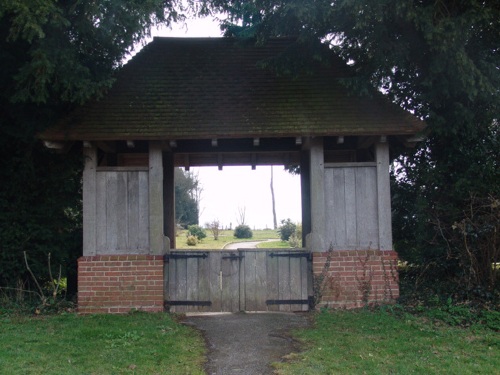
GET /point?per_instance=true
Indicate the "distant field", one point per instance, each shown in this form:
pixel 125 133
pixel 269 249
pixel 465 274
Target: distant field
pixel 225 237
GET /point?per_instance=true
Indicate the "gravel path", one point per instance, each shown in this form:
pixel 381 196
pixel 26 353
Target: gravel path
pixel 246 344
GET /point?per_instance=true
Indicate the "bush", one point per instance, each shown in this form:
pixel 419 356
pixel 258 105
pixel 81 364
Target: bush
pixel 196 231
pixel 294 241
pixel 191 241
pixel 243 231
pixel 286 229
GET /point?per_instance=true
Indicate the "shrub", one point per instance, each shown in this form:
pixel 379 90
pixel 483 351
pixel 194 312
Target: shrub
pixel 294 241
pixel 286 229
pixel 243 231
pixel 196 231
pixel 191 241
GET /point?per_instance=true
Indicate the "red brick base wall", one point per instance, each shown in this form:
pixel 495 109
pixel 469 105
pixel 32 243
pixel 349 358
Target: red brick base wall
pixel 355 278
pixel 120 283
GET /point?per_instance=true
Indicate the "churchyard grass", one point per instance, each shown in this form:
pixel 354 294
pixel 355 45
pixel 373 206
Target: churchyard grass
pixel 225 237
pixel 367 342
pixel 278 244
pixel 135 343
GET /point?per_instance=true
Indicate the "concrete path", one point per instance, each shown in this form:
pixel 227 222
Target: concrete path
pixel 245 245
pixel 247 343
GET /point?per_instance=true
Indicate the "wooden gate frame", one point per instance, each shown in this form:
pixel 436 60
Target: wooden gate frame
pixel 238 280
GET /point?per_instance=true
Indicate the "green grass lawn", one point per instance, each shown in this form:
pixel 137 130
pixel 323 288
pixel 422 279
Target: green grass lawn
pixel 274 245
pixel 225 237
pixel 137 343
pixel 364 342
pixel 340 342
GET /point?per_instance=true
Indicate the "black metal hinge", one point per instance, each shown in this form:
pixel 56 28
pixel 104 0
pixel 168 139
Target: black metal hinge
pixel 169 256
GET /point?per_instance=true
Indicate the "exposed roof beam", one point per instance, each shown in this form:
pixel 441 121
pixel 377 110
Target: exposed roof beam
pixel 59 147
pixel 219 161
pixel 107 147
pixel 54 145
pixel 365 142
pixel 412 141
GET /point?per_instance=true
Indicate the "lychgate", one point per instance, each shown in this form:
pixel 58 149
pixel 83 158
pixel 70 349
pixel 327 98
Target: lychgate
pixel 218 102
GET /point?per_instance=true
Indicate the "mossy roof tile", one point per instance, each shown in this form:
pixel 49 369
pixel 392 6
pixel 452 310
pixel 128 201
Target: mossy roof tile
pixel 180 88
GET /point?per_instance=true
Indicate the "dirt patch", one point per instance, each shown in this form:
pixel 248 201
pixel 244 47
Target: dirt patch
pixel 247 343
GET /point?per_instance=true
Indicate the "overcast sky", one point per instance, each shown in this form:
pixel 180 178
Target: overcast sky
pixel 227 192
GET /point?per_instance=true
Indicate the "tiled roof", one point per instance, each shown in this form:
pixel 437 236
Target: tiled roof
pixel 182 88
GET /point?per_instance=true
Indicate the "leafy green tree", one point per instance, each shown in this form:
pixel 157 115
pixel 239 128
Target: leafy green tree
pixel 53 56
pixel 187 191
pixel 438 59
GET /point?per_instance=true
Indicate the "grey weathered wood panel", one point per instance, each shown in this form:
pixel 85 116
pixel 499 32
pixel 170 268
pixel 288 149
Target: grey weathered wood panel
pixel 237 280
pixel 214 260
pixel 295 282
pixel 284 292
pixel 366 208
pixel 230 283
pixel 192 280
pixel 122 220
pixel 351 201
pixel 204 292
pixel 250 277
pixel 261 284
pixel 101 223
pixel 273 282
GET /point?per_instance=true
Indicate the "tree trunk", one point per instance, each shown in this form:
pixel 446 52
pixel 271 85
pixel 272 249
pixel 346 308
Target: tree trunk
pixel 274 203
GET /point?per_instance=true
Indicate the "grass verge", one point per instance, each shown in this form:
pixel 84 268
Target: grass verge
pixel 136 343
pixel 365 342
pixel 274 245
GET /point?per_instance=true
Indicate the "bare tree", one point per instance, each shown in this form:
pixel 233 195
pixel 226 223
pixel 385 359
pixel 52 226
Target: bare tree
pixel 241 215
pixel 275 222
pixel 215 228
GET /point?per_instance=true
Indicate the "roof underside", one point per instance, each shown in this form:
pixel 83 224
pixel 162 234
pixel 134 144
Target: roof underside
pixel 181 88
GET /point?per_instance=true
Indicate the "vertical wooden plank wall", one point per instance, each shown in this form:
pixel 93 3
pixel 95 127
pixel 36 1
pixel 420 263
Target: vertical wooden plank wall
pixel 122 223
pixel 352 207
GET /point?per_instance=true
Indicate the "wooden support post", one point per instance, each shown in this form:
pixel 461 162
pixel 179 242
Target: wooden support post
pixel 155 198
pixel 384 196
pixel 317 194
pixel 169 197
pixel 89 200
pixel 305 187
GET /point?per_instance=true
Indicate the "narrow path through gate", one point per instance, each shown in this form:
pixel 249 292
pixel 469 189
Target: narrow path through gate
pixel 238 280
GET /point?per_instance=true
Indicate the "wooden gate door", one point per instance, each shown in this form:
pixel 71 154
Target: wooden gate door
pixel 239 280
